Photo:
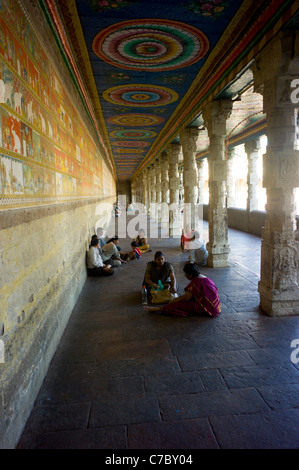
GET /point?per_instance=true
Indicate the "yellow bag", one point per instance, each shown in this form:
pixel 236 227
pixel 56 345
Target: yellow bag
pixel 162 296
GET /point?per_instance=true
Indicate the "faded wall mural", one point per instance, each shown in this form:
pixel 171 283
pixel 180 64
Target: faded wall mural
pixel 46 152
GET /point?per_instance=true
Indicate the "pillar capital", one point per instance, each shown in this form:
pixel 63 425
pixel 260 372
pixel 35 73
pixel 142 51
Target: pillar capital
pixel 252 146
pixel 275 68
pixel 173 151
pixel 200 163
pixel 188 137
pixel 215 115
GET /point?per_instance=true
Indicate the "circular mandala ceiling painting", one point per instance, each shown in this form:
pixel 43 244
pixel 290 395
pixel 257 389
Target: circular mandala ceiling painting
pixel 150 44
pixel 122 150
pixel 135 95
pixel 130 143
pixel 133 134
pixel 136 120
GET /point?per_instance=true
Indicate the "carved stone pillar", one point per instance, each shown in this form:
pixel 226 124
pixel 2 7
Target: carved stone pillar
pixel 200 167
pixel 230 197
pixel 215 116
pixel 144 188
pixel 157 166
pixel 133 191
pixel 164 190
pixel 149 194
pixel 173 151
pixel 274 71
pixel 188 139
pixel 152 207
pixel 252 148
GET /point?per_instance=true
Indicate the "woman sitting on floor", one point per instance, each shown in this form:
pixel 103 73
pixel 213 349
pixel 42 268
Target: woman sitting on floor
pixel 201 296
pixel 142 242
pixel 95 265
pixel 159 270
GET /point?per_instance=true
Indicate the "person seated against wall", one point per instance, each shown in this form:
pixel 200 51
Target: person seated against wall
pixel 95 237
pixel 201 296
pixel 159 270
pixel 95 264
pixel 129 207
pixel 110 252
pixel 113 262
pixel 100 233
pixel 142 241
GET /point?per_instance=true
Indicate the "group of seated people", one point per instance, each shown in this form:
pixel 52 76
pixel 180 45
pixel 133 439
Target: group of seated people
pixel 103 255
pixel 200 295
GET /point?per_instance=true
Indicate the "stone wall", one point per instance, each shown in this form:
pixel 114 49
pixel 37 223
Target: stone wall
pixel 42 252
pixel 56 186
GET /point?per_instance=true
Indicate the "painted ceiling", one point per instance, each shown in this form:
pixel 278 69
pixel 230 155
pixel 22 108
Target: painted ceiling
pixel 146 68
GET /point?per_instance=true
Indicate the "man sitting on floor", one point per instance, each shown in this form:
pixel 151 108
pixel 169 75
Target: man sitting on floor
pixel 95 265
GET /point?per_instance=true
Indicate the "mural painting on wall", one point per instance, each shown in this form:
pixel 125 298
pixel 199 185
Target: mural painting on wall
pixel 45 149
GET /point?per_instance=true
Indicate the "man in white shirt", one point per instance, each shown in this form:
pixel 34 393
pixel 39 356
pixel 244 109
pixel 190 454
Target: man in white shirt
pixel 95 264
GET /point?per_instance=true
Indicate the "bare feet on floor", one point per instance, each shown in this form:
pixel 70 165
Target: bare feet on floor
pixel 152 309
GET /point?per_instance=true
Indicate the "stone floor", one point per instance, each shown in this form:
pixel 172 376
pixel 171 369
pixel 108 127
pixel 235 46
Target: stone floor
pixel 125 379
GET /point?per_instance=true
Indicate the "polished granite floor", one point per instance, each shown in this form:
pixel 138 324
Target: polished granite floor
pixel 125 379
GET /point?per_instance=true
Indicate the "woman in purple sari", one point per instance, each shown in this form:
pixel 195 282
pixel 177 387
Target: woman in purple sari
pixel 201 296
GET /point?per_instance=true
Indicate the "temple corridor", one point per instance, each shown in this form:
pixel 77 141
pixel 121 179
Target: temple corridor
pixel 125 379
pixel 181 113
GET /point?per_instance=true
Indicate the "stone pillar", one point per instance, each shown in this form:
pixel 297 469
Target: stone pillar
pixel 173 151
pixel 215 116
pixel 152 206
pixel 149 194
pixel 133 191
pixel 144 188
pixel 164 190
pixel 188 139
pixel 200 166
pixel 157 166
pixel 252 148
pixel 274 71
pixel 230 194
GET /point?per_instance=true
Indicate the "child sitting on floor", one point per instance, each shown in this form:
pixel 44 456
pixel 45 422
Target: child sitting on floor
pixel 134 254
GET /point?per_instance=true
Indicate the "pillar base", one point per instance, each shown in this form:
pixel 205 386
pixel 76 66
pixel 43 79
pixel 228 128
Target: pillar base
pixel 218 256
pixel 279 303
